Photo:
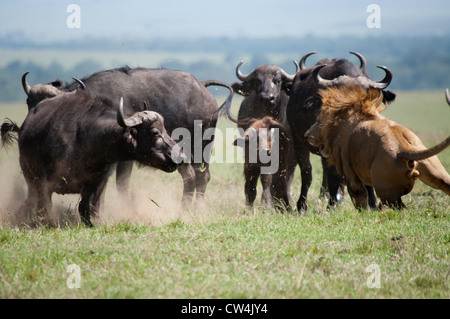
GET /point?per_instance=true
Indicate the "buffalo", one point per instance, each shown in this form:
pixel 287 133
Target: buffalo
pixel 304 106
pixel 266 93
pixel 178 96
pixel 69 144
pixel 41 92
pixel 266 148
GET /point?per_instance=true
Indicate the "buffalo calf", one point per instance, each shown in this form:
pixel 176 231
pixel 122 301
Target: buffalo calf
pixel 266 149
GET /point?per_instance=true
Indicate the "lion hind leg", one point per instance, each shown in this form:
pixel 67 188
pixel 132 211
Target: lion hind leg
pixel 434 174
pixel 391 195
pixel 358 194
pixel 393 203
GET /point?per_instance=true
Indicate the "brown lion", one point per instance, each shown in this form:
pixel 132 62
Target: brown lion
pixel 368 149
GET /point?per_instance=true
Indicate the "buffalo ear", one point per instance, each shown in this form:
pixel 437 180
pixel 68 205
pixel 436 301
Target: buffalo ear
pixel 243 89
pixel 389 96
pixel 56 83
pixel 130 136
pixel 286 86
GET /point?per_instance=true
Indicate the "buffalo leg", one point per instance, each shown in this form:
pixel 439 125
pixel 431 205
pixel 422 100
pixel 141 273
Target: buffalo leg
pixel 282 179
pixel 44 203
pixel 280 188
pixel 251 180
pixel 187 172
pixel 290 171
pixel 335 184
pixel 27 210
pixel 306 175
pixel 98 197
pixel 280 192
pixel 266 197
pixel 84 207
pixel 324 187
pixel 202 177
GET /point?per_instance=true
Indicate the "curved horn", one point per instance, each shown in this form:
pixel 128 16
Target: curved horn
pixel 83 86
pixel 385 82
pixel 289 77
pixel 303 59
pixel 120 118
pixel 319 80
pixel 447 96
pixel 362 60
pixel 242 77
pixel 360 80
pixel 297 68
pixel 137 118
pixel 25 85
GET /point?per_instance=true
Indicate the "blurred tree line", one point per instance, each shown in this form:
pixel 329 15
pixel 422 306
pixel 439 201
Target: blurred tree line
pixel 418 63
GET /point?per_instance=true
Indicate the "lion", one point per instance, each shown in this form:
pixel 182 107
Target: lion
pixel 369 149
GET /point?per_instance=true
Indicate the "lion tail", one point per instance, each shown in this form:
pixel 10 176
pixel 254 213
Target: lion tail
pixel 420 155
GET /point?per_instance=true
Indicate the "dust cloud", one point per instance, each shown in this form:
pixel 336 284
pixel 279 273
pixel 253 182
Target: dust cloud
pixel 154 199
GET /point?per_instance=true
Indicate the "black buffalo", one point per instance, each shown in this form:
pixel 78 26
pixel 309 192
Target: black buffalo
pixel 69 144
pixel 40 92
pixel 177 95
pixel 266 93
pixel 304 106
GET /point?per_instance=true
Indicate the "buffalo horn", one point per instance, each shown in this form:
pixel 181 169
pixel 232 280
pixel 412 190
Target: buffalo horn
pixel 83 86
pixel 362 60
pixel 303 59
pixel 25 85
pixel 120 118
pixel 297 68
pixel 321 81
pixel 242 77
pixel 135 119
pixel 288 77
pixel 385 82
pixel 447 96
pixel 343 79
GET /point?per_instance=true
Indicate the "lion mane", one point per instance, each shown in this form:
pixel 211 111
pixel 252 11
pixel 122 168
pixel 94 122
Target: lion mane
pixel 370 150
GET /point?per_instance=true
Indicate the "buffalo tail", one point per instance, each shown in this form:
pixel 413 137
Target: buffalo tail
pixel 8 132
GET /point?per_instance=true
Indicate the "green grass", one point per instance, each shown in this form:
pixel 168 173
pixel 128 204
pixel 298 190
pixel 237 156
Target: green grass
pixel 224 250
pixel 253 255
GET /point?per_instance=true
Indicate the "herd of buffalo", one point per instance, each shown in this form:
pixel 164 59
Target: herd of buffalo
pixel 75 134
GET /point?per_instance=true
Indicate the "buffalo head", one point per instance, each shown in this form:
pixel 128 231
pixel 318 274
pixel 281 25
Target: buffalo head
pixel 355 76
pixel 149 141
pixel 41 92
pixel 266 82
pixel 362 81
pixel 259 139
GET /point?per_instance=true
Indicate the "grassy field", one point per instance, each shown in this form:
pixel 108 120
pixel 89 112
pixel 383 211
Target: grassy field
pixel 223 250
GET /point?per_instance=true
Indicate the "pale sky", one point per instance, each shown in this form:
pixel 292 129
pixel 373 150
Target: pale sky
pixel 45 20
